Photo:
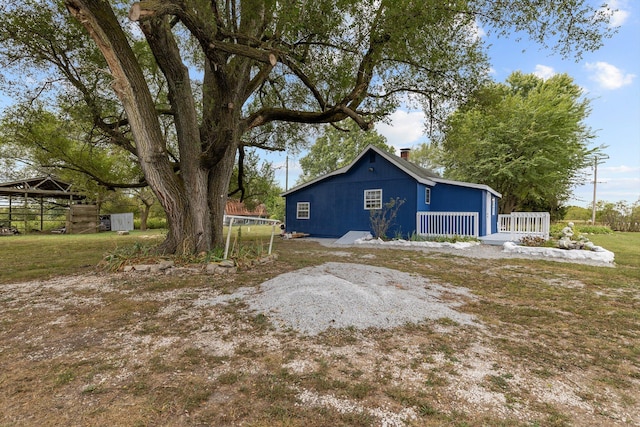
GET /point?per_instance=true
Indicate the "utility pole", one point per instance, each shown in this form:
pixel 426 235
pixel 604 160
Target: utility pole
pixel 597 159
pixel 286 174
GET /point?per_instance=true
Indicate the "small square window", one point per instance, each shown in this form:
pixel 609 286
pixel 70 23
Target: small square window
pixel 427 196
pixel 372 199
pixel 303 210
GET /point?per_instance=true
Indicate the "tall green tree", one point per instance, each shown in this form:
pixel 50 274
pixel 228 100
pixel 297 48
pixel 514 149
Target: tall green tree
pixel 428 155
pixel 337 147
pixel 63 145
pixel 260 65
pixel 526 138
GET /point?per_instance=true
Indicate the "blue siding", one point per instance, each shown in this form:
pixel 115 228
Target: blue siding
pixel 337 202
pixel 455 198
pixel 422 205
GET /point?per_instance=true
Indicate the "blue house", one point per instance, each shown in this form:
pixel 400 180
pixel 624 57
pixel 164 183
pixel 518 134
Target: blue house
pixel 343 200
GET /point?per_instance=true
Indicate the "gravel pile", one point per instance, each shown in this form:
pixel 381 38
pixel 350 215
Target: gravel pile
pixel 342 295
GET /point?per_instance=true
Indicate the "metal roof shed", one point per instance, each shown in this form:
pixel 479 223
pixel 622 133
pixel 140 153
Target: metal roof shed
pixel 17 200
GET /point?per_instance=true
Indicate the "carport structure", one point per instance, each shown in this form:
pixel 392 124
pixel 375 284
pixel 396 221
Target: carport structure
pixel 29 203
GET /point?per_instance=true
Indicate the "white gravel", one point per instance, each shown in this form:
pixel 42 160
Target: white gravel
pixel 601 258
pixel 343 295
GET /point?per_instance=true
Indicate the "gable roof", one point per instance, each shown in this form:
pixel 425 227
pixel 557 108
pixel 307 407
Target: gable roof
pixel 421 175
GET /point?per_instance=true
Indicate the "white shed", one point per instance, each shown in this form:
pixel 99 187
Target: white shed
pixel 122 222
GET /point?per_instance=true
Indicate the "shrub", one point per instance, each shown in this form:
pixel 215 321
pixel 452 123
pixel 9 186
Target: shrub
pixel 441 239
pixel 381 219
pixel 556 229
pixel 533 241
pixel 152 223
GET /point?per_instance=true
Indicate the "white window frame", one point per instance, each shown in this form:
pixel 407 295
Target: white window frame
pixel 301 209
pixel 493 205
pixel 427 196
pixel 373 199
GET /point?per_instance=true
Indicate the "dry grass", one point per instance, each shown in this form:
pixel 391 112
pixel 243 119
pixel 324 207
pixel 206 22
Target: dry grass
pixel 560 346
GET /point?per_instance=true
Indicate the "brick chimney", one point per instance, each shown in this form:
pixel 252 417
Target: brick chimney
pixel 404 153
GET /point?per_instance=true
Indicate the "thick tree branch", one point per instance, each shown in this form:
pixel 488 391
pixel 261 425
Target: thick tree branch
pixel 165 49
pixel 331 115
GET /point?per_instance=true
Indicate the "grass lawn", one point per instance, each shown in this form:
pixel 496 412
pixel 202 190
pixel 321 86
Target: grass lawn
pixel 626 246
pixel 559 343
pixel 34 256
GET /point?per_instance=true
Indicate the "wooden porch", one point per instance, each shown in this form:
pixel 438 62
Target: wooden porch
pixel 516 225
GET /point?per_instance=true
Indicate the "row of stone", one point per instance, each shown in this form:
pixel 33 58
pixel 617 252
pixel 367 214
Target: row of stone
pixel 226 266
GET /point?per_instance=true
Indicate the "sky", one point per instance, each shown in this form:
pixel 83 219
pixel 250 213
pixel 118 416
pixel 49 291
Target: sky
pixel 610 78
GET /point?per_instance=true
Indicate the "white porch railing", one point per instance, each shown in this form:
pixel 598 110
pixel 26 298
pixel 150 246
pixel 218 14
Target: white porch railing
pixel 520 224
pixel 447 224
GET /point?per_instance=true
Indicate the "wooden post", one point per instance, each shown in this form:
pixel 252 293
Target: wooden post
pixel 26 204
pixel 41 214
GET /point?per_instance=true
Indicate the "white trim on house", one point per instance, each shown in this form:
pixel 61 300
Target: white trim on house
pixel 373 199
pixel 349 166
pixel 487 213
pixel 402 165
pixel 303 208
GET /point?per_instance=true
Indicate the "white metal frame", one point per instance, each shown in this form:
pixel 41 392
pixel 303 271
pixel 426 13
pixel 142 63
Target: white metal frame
pixel 231 218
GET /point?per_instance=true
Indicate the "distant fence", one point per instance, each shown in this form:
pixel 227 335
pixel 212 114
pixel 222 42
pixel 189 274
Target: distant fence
pixel 521 224
pixel 447 224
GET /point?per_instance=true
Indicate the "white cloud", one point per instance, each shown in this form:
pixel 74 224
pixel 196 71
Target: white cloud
pixel 404 130
pixel 544 71
pixel 476 31
pixel 609 76
pixel 618 13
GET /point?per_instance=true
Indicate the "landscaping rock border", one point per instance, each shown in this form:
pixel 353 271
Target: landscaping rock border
pixel 168 267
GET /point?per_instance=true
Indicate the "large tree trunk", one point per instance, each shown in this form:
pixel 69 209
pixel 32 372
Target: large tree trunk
pixel 194 233
pixel 508 204
pixel 184 196
pixel 218 190
pixel 144 216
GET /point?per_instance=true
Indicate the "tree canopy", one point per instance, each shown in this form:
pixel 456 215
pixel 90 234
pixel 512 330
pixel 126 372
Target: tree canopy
pixel 182 86
pixel 336 148
pixel 526 138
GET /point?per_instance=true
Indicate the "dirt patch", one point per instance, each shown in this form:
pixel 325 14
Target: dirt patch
pixel 130 350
